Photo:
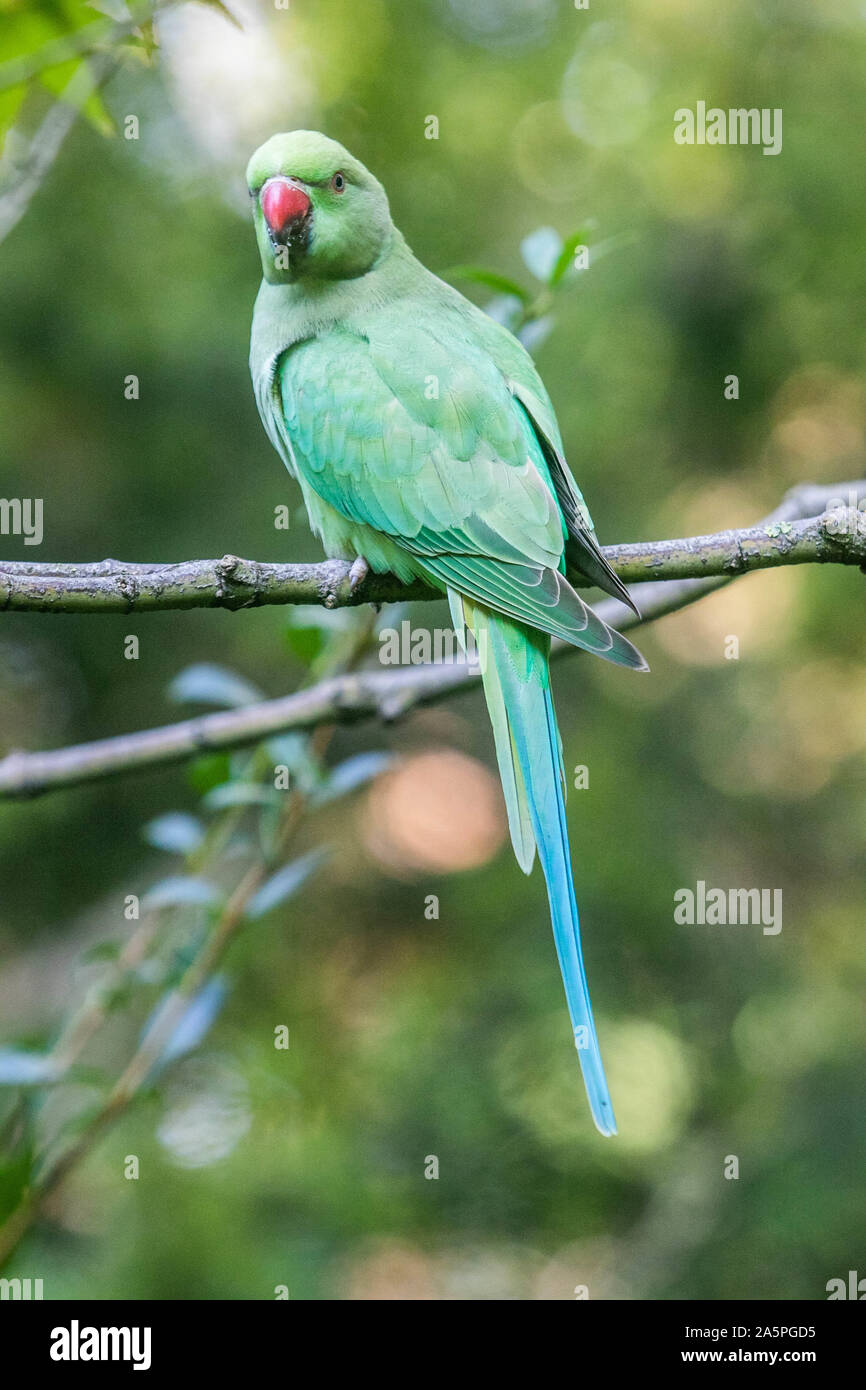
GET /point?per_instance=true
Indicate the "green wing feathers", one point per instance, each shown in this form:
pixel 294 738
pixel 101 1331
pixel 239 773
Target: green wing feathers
pixel 417 435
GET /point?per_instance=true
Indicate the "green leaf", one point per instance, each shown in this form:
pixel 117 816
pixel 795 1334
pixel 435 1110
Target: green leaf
pixel 208 771
pixel 176 831
pixel 101 951
pixel 184 889
pixel 118 996
pixel 284 883
pixel 193 1025
pixel 224 10
pixel 479 276
pixel 16 1175
pixel 566 257
pixel 541 252
pixel 351 774
pixel 20 1068
pixel 240 794
pixel 305 642
pixel 290 749
pixel 97 113
pixel 294 751
pixel 54 61
pixel 206 684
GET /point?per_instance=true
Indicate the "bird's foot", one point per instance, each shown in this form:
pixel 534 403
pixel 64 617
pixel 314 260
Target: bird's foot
pixel 358 573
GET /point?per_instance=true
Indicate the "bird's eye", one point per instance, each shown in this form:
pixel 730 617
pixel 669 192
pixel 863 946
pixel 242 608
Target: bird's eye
pixel 338 182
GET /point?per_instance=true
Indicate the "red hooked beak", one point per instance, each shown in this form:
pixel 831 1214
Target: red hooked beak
pixel 283 203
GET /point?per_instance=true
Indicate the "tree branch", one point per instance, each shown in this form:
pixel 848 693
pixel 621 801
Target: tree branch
pixel 115 586
pixel 684 571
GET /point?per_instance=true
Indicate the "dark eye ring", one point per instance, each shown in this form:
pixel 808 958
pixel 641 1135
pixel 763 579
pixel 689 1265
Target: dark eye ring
pixel 338 182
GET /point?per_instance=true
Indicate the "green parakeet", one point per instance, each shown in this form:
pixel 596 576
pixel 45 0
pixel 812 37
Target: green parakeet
pixel 425 444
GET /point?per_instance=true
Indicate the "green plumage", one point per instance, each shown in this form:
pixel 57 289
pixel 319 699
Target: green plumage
pixel 424 441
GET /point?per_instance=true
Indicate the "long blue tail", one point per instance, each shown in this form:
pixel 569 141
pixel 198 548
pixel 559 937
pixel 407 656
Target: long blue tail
pixel 514 663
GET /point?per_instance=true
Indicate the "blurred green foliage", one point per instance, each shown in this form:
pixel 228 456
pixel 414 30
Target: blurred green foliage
pixel 413 1037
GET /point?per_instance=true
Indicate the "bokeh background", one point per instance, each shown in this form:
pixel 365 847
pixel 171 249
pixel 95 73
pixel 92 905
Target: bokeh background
pixel 412 1037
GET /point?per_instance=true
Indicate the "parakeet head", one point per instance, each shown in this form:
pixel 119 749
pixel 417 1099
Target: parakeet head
pixel 318 212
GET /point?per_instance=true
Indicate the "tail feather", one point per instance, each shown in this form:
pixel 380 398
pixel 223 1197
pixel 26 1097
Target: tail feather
pixel 516 684
pixel 513 790
pixel 517 802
